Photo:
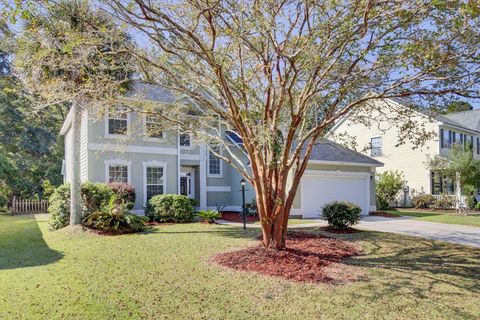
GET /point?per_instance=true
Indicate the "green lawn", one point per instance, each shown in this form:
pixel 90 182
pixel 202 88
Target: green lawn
pixel 166 274
pixel 449 218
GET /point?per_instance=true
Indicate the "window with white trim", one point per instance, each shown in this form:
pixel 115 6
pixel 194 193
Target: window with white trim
pixel 185 140
pixel 376 146
pixel 154 181
pixel 214 163
pixel 153 127
pixel 118 173
pixel 118 120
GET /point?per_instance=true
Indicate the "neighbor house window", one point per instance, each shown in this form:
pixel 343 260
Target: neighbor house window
pixel 214 163
pixel 153 127
pixel 376 145
pixel 441 184
pixel 118 120
pixel 185 140
pixel 478 145
pixel 118 173
pixel 444 139
pixel 154 181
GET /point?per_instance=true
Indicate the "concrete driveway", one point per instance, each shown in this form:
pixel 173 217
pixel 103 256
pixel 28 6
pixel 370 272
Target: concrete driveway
pixel 402 225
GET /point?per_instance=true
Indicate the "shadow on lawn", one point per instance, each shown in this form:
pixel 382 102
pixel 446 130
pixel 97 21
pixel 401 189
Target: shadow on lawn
pixel 420 264
pixel 23 245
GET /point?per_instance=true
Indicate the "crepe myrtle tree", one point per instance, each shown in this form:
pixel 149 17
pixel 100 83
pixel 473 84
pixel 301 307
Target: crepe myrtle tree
pixel 281 73
pixel 70 54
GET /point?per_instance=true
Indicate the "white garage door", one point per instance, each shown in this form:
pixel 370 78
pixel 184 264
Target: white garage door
pixel 319 189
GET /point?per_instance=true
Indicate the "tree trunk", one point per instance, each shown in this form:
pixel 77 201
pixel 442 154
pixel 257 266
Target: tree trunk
pixel 75 185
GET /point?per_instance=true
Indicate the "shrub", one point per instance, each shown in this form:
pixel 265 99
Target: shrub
pixel 125 192
pixel 94 197
pixel 445 202
pixel 388 185
pixel 208 215
pixel 59 207
pixel 47 189
pixel 423 201
pixel 341 214
pixel 114 218
pixel 471 202
pixel 251 208
pixel 170 208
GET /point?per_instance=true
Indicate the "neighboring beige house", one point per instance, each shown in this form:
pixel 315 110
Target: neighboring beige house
pixel 379 139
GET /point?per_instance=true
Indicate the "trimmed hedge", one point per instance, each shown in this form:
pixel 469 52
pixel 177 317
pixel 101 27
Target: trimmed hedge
pixel 170 208
pixel 341 214
pixel 94 197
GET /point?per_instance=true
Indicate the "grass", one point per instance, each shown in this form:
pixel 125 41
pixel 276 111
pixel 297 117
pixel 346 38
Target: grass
pixel 450 218
pixel 165 273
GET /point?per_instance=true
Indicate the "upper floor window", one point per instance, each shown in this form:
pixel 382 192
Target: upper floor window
pixel 444 138
pixel 117 121
pixel 214 163
pixel 153 127
pixel 185 140
pixel 376 146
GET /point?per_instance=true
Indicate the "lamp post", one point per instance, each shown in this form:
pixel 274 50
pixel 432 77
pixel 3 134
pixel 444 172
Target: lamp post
pixel 244 209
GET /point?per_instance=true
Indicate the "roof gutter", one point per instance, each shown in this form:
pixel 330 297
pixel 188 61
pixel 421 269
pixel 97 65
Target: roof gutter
pixel 342 163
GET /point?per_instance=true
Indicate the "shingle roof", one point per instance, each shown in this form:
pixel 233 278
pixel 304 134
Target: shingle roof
pixel 468 119
pixel 326 150
pixel 151 92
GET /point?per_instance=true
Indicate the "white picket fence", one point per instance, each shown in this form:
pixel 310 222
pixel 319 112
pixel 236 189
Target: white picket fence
pixel 463 199
pixel 28 206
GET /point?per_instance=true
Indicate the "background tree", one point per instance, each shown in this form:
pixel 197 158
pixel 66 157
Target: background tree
pixel 71 54
pixel 279 73
pixel 389 184
pixel 458 106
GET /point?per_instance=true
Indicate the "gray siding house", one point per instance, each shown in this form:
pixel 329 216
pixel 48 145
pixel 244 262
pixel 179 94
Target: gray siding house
pixel 121 148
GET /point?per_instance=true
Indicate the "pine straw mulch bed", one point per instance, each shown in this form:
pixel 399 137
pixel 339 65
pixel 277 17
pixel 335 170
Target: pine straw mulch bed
pixel 237 217
pixel 308 258
pixel 340 231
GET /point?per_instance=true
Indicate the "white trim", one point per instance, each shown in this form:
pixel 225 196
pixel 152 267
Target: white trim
pixel 185 174
pixel 336 173
pixel 219 189
pixel 119 162
pixel 135 149
pixel 178 163
pixel 116 136
pixel 66 123
pixel 151 139
pixel 209 175
pixel 346 163
pixel 157 164
pixel 189 156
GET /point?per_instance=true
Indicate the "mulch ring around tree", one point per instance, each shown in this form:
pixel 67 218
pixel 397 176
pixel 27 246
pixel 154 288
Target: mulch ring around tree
pixel 237 217
pixel 308 258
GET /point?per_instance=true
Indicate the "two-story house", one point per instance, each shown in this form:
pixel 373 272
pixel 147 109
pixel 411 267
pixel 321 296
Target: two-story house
pixel 380 138
pixel 131 147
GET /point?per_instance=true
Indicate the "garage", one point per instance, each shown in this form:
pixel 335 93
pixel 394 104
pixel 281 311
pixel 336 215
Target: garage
pixel 336 173
pixel 320 187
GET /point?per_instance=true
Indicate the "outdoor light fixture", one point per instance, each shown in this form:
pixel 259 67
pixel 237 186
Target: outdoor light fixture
pixel 243 182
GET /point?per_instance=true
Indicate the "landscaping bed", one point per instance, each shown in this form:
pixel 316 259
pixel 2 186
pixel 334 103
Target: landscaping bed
pixel 306 259
pixel 383 214
pixel 340 231
pixel 237 217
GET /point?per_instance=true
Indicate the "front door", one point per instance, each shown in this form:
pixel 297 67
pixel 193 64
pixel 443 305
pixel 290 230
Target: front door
pixel 187 184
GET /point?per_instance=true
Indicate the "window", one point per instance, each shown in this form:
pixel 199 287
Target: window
pixel 118 173
pixel 154 181
pixel 153 127
pixel 441 184
pixel 185 140
pixel 376 145
pixel 478 145
pixel 214 163
pixel 117 121
pixel 444 139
